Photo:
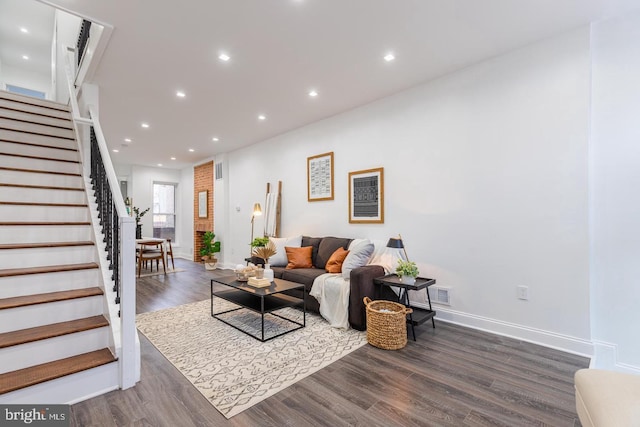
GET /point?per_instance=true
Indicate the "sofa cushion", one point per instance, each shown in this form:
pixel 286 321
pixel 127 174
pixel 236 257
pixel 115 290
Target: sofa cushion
pixel 306 276
pixel 280 258
pixel 299 257
pixel 360 251
pixel 327 247
pixel 314 242
pixel 334 265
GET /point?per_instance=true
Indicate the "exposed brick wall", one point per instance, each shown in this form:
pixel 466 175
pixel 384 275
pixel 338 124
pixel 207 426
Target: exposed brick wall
pixel 202 181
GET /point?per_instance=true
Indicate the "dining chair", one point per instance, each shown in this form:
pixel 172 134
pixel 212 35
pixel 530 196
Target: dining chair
pixel 170 253
pixel 150 252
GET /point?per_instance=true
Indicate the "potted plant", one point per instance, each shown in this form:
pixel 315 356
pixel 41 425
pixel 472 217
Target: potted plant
pixel 139 215
pixel 259 242
pixel 407 271
pixel 209 249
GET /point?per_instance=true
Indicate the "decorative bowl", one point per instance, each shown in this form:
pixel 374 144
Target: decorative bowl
pixel 243 276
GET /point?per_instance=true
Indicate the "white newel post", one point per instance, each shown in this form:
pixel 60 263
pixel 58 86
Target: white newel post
pixel 130 366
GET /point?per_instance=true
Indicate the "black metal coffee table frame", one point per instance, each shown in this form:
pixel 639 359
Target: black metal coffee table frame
pixel 260 300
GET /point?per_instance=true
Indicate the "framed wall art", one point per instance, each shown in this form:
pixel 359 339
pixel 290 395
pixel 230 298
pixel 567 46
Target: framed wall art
pixel 366 196
pixel 320 177
pixel 202 204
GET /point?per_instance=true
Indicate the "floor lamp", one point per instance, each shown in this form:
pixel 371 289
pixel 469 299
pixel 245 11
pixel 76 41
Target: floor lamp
pixel 257 211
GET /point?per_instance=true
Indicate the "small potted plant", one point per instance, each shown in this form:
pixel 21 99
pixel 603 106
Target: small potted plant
pixel 139 215
pixel 209 249
pixel 407 271
pixel 259 242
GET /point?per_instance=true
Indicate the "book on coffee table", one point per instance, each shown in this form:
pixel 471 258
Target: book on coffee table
pixel 259 283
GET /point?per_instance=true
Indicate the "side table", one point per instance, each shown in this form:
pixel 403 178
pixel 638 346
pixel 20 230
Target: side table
pixel 419 315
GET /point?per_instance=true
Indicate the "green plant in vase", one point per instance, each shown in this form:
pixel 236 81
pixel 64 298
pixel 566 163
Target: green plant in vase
pixel 407 271
pixel 139 215
pixel 209 249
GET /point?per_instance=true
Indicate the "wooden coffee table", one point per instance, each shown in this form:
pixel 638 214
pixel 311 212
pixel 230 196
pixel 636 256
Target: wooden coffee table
pixel 260 300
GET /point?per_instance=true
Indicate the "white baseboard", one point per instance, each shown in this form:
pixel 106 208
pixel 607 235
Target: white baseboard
pixel 606 357
pixel 549 339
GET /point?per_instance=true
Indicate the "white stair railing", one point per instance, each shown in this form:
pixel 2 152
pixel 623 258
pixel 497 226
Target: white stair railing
pixel 118 229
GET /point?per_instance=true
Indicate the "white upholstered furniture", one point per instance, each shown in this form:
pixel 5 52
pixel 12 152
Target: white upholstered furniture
pixel 607 398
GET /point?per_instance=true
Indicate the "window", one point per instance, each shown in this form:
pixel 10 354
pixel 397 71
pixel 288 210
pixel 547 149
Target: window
pixel 164 211
pixel 27 92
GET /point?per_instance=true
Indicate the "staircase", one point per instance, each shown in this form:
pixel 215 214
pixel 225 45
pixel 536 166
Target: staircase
pixel 55 341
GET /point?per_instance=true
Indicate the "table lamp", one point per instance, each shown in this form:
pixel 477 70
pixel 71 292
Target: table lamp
pixel 396 243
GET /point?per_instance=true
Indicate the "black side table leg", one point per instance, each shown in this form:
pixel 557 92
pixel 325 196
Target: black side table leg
pixel 408 304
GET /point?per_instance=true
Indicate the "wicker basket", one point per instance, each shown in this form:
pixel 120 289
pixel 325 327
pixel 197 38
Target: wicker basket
pixel 386 324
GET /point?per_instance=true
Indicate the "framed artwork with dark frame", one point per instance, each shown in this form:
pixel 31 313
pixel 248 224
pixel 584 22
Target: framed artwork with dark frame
pixel 202 204
pixel 366 196
pixel 320 177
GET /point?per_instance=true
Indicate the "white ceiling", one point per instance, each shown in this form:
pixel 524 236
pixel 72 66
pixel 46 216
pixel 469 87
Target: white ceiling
pixel 280 49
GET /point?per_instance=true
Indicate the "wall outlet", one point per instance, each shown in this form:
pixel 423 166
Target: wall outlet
pixel 523 292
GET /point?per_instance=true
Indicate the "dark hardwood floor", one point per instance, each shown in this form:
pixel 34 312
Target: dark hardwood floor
pixel 452 376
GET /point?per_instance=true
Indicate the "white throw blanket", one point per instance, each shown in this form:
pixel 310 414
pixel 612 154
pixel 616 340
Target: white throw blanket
pixel 332 292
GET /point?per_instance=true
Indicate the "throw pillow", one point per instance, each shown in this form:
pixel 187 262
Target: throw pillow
pixel 360 251
pixel 327 247
pixel 334 265
pixel 299 257
pixel 280 258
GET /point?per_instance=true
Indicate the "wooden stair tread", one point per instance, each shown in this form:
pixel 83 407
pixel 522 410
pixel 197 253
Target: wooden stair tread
pixel 39 158
pixel 53 205
pixel 44 245
pixel 33 144
pixel 34 101
pixel 52 330
pixel 39 171
pixel 15 380
pixel 27 300
pixel 42 187
pixel 47 269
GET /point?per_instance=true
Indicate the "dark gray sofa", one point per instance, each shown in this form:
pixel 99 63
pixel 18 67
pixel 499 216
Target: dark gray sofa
pixel 361 278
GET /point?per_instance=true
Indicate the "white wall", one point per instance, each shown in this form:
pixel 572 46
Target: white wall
pixel 615 205
pixel 485 178
pixel 67 30
pixel 184 226
pixel 26 79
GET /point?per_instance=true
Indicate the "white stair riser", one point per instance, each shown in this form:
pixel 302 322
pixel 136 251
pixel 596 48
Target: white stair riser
pixel 34 109
pixel 33 101
pixel 31 150
pixel 42 195
pixel 70 389
pixel 47 165
pixel 37 352
pixel 16 286
pixel 45 233
pixel 35 118
pixel 20 213
pixel 9 135
pixel 36 129
pixel 48 179
pixel 26 258
pixel 14 319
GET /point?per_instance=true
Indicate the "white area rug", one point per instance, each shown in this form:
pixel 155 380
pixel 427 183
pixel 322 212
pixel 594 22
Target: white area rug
pixel 233 370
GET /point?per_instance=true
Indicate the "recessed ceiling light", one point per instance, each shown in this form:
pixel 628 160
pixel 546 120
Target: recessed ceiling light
pixel 313 93
pixel 145 125
pixel 24 30
pixel 215 139
pixel 180 94
pixel 127 140
pixel 160 164
pixel 262 117
pixel 115 150
pixel 173 158
pixel 191 150
pixel 25 57
pixel 224 57
pixel 389 57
